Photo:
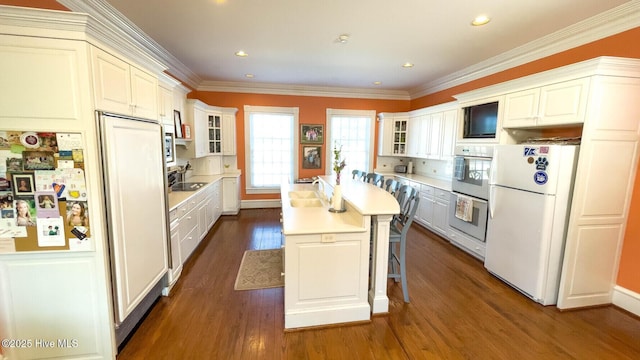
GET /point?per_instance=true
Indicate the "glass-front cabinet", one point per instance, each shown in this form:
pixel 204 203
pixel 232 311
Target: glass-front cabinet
pixel 399 136
pixel 215 133
pixel 392 134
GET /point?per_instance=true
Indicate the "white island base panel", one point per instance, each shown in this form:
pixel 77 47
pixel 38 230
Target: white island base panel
pixel 319 317
pixel 326 254
pixel 329 283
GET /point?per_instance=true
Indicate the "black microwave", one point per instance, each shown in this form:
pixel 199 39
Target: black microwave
pixel 480 121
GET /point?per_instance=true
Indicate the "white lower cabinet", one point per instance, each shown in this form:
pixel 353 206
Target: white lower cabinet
pixel 188 233
pixel 57 305
pixel 440 221
pixel 324 279
pixel 203 217
pixel 175 267
pixel 195 216
pixel 433 209
pixel 467 243
pixel 426 206
pixel 214 209
pixel 231 195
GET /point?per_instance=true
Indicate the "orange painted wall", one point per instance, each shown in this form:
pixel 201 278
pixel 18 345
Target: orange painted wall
pixel 41 4
pixel 313 110
pixel 622 45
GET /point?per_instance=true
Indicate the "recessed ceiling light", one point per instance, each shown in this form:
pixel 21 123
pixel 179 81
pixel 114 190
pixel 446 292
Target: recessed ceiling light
pixel 480 20
pixel 407 65
pixel 342 38
pixel 250 76
pixel 377 83
pixel 241 53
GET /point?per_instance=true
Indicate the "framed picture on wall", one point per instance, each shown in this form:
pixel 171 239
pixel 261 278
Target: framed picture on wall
pixel 312 157
pixel 177 124
pixel 311 134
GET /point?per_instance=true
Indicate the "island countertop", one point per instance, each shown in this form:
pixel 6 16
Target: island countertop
pixel 367 199
pixel 315 219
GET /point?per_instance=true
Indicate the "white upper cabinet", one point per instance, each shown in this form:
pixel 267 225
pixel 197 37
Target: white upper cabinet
pixel 212 130
pixel 563 103
pixel 214 133
pixel 196 117
pixel 168 100
pixel 432 131
pixel 122 88
pixel 392 133
pixel 414 136
pixel 229 131
pixel 434 140
pixel 165 102
pixel 449 126
pixel 44 84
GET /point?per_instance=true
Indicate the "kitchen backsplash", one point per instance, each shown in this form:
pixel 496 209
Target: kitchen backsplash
pixel 439 169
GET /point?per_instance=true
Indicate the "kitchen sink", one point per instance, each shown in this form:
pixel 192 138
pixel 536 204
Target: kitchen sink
pixel 309 202
pixel 303 195
pixel 188 186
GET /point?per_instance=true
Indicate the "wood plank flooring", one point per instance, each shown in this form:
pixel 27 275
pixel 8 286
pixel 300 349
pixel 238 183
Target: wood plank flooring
pixel 457 311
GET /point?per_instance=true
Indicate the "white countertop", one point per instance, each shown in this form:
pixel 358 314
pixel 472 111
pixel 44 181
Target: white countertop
pixel 175 198
pixel 367 199
pixel 426 180
pixel 315 220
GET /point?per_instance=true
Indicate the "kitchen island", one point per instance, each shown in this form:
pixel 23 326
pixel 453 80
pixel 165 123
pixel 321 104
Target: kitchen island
pixel 326 254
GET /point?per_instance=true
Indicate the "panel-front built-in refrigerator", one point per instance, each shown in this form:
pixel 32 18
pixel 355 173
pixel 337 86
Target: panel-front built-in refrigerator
pixel 530 190
pixel 134 180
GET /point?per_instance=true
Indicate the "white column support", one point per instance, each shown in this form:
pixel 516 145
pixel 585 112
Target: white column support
pixel 380 265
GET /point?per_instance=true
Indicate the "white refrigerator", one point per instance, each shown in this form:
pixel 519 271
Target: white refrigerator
pixel 530 189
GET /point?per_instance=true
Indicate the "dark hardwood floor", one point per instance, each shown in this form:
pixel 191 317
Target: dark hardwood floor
pixel 457 311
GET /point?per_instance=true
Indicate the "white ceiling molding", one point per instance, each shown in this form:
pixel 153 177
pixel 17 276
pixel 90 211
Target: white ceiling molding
pixel 123 28
pixel 619 19
pixel 614 21
pixel 300 90
pixel 603 65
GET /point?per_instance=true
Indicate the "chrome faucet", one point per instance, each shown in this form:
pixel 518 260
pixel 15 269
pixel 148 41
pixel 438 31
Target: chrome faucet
pixel 320 187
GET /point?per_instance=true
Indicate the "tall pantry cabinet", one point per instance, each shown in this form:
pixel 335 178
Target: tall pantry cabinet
pixel 56 58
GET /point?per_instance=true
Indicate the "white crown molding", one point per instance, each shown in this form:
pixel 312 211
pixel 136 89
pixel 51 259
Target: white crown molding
pixel 36 22
pixel 115 30
pixel 604 65
pixel 608 23
pixel 300 90
pixel 123 34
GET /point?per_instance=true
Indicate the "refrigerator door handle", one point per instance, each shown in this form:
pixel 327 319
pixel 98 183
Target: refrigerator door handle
pixel 493 171
pixel 492 200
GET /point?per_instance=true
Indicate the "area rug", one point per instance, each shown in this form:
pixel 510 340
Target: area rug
pixel 260 269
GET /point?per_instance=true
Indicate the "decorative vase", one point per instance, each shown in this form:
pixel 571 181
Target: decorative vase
pixel 336 201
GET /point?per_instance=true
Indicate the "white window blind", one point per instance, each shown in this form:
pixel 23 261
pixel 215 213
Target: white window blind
pixel 271 135
pixel 354 131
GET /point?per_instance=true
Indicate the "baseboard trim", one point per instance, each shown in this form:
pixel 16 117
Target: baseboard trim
pixel 626 299
pixel 260 204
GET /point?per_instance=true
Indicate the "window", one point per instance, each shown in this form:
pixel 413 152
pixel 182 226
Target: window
pixel 354 131
pixel 270 153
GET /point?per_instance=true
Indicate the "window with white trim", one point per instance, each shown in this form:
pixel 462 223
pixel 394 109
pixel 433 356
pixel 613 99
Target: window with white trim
pixel 353 130
pixel 270 153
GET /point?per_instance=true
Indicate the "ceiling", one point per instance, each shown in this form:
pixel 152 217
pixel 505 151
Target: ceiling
pixel 295 42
